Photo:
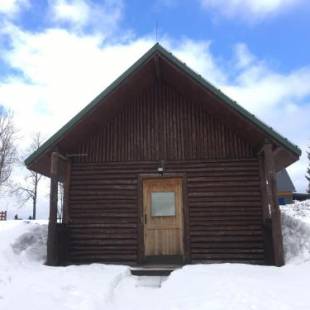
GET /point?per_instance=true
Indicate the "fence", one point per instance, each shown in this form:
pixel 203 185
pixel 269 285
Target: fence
pixel 3 215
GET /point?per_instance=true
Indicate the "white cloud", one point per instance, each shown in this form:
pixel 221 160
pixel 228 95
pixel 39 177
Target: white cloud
pixel 197 55
pixel 249 8
pixel 280 100
pixel 62 70
pixel 243 58
pixel 11 8
pixel 79 14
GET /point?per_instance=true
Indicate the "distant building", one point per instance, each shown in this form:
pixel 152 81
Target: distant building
pixel 301 196
pixel 285 187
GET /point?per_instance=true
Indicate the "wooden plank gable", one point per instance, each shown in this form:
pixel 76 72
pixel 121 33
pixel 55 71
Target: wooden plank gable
pixel 161 124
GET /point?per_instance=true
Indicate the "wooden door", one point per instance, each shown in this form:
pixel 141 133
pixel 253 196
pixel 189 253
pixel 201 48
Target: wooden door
pixel 163 217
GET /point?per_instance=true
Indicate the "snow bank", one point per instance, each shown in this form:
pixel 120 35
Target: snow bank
pixel 296 231
pixel 22 241
pixel 220 287
pixel 238 287
pixel 25 283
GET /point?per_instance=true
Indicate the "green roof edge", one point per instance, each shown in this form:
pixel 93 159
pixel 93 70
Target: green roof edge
pixel 294 148
pixel 90 106
pixel 181 65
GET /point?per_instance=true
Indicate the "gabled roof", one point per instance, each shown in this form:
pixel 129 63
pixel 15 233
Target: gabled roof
pixel 284 182
pixel 158 49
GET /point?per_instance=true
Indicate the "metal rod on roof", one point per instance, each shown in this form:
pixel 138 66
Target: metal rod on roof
pixel 156 31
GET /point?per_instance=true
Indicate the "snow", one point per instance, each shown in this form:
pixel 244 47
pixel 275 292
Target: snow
pixel 296 231
pixel 26 283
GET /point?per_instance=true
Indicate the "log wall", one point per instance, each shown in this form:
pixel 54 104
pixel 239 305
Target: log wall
pixel 222 177
pixel 223 198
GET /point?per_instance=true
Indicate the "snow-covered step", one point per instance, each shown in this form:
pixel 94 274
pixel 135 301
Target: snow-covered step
pixel 150 281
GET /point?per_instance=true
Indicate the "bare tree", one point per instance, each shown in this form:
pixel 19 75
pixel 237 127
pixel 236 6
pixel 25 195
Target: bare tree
pixel 29 191
pixel 8 153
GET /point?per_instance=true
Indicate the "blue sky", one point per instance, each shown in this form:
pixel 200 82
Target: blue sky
pixel 59 54
pixel 283 40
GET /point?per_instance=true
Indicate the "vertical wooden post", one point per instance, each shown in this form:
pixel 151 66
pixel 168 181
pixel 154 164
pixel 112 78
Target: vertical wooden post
pixel 66 191
pixel 270 179
pixel 267 229
pixel 52 233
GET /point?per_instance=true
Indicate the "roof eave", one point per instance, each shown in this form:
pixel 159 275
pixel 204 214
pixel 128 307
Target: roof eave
pixel 45 146
pixel 233 104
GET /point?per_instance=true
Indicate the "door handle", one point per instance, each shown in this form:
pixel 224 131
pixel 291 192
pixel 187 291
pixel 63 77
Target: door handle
pixel 145 219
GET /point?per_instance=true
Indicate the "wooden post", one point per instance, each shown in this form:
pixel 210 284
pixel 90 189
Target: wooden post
pixel 267 229
pixel 52 233
pixel 271 199
pixel 66 191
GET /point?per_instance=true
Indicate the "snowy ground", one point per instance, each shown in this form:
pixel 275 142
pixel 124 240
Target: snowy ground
pixel 296 231
pixel 25 283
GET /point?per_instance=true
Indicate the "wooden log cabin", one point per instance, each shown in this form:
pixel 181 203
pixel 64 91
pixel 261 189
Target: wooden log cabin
pixel 163 167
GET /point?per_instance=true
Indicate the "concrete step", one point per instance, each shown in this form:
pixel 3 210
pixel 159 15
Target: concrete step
pixel 151 270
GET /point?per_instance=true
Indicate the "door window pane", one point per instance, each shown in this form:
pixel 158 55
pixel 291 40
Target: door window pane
pixel 163 203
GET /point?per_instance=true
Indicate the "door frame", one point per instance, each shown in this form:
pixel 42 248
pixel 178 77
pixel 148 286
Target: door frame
pixel 185 213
